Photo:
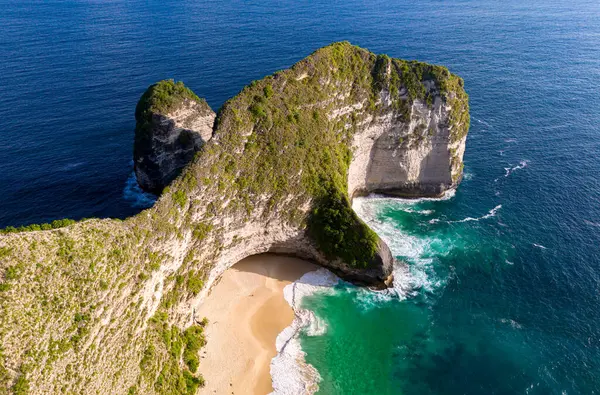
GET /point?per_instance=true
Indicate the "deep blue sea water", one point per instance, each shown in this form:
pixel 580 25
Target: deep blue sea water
pixel 504 303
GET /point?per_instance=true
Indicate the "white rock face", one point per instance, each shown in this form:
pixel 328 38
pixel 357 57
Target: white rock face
pixel 407 158
pixel 171 143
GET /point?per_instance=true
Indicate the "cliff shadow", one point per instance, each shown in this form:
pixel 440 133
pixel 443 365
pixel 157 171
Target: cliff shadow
pixel 276 266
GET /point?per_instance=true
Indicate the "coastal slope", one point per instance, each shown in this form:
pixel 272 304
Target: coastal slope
pixel 109 306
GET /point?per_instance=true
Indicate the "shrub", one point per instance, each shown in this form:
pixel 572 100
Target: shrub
pixel 175 345
pixel 59 223
pixel 192 382
pixel 180 197
pixel 195 283
pixel 258 110
pixel 339 232
pixel 21 386
pixel 194 340
pixel 268 91
pixel 202 230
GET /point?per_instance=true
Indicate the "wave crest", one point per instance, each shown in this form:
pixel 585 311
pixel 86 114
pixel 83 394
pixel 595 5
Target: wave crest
pixel 490 214
pixel 509 170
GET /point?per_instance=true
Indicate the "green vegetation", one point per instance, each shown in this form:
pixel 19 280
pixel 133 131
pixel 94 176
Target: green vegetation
pixel 195 282
pixel 194 340
pixel 303 153
pixel 175 347
pixel 180 197
pixel 59 223
pixel 202 229
pixel 159 98
pixel 162 97
pixel 21 386
pixel 340 233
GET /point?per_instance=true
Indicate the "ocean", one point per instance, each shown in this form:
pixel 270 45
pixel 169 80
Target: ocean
pixel 500 289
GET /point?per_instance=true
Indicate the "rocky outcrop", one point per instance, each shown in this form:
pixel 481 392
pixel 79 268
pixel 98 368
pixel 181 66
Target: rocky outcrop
pixel 418 158
pixel 101 306
pixel 168 133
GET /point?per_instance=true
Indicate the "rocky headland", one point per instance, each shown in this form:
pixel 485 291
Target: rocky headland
pixel 109 306
pixel 172 125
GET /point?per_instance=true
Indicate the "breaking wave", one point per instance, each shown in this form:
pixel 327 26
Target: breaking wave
pixel 510 170
pixel 490 214
pixel 290 372
pixel 418 251
pixel 417 272
pixel 514 324
pixel 136 197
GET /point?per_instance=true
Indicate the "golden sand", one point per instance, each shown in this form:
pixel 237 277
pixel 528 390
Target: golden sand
pixel 246 312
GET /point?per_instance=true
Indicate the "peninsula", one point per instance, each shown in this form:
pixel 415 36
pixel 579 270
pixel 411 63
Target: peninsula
pixel 108 306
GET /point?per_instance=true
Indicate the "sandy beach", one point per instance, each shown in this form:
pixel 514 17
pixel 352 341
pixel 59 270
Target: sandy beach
pixel 246 312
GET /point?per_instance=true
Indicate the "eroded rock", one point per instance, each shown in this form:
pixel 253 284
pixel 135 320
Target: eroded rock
pixel 172 125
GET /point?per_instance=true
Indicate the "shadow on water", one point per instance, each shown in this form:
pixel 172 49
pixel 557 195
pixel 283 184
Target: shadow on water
pixel 76 198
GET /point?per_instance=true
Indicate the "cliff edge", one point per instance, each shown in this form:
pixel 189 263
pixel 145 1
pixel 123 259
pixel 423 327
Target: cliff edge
pixel 108 306
pixel 172 124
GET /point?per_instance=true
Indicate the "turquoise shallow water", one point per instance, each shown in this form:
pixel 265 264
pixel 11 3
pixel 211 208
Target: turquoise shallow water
pixel 503 303
pixel 480 310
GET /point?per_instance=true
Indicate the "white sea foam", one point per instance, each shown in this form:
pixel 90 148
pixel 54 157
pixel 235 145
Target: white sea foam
pixel 367 299
pixel 419 275
pixel 514 324
pixel 413 211
pixel 510 140
pixel 135 195
pixel 398 202
pixel 289 371
pixel 591 223
pixel 510 170
pixel 481 121
pixel 490 214
pixel 71 166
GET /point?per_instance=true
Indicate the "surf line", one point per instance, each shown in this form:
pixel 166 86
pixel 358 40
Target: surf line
pixel 490 214
pixel 509 170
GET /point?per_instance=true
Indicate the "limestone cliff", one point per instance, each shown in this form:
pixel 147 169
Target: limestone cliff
pixel 172 124
pixel 107 306
pixel 419 155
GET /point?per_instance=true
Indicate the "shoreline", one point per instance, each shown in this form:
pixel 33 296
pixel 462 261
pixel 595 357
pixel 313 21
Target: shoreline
pixel 247 312
pixel 289 370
